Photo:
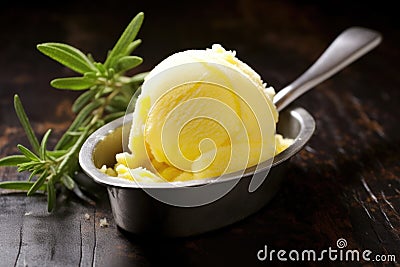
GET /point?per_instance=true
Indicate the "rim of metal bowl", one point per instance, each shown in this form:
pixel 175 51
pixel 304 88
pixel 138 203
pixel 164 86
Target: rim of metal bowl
pixel 307 127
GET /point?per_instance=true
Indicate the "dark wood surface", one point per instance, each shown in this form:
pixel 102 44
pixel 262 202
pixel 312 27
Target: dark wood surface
pixel 344 184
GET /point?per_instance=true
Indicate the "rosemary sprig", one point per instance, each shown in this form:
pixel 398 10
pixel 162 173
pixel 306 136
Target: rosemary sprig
pixel 108 92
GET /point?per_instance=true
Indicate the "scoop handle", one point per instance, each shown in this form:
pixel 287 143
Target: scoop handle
pixel 350 45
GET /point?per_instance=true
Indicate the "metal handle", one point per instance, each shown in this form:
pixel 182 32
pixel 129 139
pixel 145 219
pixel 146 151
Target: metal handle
pixel 346 48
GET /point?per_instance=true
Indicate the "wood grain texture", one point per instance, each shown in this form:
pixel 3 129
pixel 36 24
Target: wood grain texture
pixel 344 184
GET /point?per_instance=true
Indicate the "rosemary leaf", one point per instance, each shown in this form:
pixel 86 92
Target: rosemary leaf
pixel 28 166
pixel 33 173
pixel 70 161
pixel 20 185
pixel 132 46
pixel 68 181
pixel 119 102
pixel 67 55
pixel 55 154
pixel 43 144
pixel 13 160
pixel 138 78
pixel 127 62
pixel 37 184
pixel 51 196
pixel 113 116
pixel 112 109
pixel 72 83
pixel 76 133
pixel 29 154
pixel 126 38
pixel 82 100
pixel 101 69
pixel 19 109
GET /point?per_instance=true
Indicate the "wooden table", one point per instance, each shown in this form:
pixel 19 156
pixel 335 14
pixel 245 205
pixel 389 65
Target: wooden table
pixel 344 184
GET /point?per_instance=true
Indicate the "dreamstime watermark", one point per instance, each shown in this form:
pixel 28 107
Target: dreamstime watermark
pixel 338 253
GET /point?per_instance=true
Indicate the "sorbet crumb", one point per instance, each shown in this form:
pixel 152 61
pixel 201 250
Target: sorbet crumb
pixel 87 216
pixel 103 222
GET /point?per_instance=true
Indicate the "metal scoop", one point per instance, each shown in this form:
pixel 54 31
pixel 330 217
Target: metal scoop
pixel 346 48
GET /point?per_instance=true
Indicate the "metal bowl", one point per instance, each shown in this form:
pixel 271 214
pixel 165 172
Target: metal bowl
pixel 136 211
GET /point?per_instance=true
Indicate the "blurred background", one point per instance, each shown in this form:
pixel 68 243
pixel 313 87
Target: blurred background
pixel 274 37
pixel 169 26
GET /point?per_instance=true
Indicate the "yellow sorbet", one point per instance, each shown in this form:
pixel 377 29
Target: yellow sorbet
pixel 200 114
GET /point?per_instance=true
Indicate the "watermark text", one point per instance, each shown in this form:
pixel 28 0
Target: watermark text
pixel 338 253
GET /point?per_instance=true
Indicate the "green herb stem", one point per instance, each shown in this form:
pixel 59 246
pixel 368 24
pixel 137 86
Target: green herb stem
pixel 108 93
